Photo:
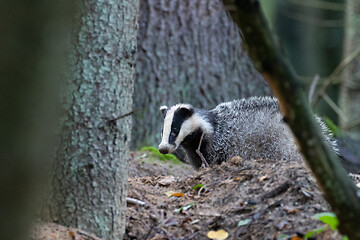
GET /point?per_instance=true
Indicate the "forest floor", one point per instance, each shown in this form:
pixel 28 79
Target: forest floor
pixel 257 199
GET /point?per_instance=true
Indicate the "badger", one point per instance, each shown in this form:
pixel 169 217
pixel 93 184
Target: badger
pixel 251 128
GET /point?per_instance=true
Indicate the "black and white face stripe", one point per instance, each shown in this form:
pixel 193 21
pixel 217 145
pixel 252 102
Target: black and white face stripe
pixel 180 121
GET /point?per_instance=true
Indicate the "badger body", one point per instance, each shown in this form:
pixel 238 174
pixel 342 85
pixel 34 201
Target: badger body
pixel 251 128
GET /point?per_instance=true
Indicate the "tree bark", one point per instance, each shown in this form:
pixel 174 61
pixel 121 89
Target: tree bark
pixel 89 177
pixel 32 36
pixel 189 51
pixel 339 190
pixel 350 87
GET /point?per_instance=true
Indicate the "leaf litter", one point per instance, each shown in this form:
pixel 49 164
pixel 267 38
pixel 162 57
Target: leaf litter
pixel 247 199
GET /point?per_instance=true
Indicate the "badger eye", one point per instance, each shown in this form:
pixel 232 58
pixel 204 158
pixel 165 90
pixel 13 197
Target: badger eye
pixel 175 132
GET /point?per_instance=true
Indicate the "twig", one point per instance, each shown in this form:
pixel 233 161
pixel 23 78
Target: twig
pixel 135 201
pixel 334 106
pixel 312 87
pixel 277 191
pixel 335 73
pixel 121 116
pixel 199 153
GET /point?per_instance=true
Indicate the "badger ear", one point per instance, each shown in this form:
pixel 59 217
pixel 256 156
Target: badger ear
pixel 163 110
pixel 186 111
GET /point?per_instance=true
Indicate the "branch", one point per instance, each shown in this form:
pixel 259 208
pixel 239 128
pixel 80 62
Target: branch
pixel 340 192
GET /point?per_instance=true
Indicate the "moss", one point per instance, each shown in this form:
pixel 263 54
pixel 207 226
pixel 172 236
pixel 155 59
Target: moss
pixel 163 157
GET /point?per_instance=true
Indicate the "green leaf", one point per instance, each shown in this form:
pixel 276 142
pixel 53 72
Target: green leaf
pixel 328 218
pixel 332 127
pixel 198 186
pixel 184 208
pixel 188 206
pixel 314 231
pixel 244 222
pixel 345 238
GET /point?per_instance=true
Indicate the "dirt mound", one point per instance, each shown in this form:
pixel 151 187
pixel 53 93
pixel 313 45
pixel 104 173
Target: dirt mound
pixel 258 199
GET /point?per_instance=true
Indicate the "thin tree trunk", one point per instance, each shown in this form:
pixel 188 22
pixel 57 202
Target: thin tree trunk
pixel 350 88
pixel 189 51
pixel 340 191
pixel 31 40
pixel 88 187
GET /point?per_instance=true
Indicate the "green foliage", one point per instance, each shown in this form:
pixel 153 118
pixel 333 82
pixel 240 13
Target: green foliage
pixel 315 231
pixel 184 208
pixel 198 186
pixel 163 157
pixel 244 222
pixel 332 127
pixel 328 218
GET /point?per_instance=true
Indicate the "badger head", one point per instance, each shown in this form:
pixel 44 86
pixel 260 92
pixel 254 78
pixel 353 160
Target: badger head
pixel 179 122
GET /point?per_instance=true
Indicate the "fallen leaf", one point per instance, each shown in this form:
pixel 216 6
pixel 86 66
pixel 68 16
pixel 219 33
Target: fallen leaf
pixel 237 179
pixel 266 177
pixel 244 222
pixel 307 193
pixel 167 180
pixel 296 238
pixel 198 186
pixel 209 211
pixel 171 222
pixel 195 221
pixel 282 225
pixel 289 209
pixel 176 194
pixel 184 208
pixel 169 193
pixel 218 235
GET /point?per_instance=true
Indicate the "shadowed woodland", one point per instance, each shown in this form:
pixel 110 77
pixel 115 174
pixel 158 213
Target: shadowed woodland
pixel 82 83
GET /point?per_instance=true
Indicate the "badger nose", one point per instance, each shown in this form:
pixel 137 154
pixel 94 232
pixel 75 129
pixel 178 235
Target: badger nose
pixel 163 150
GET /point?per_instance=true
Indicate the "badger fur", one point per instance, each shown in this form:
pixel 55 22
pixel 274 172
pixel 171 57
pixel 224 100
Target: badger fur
pixel 251 128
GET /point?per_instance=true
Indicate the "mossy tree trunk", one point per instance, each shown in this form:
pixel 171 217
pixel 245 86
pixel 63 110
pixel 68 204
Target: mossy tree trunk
pixel 89 177
pixel 189 51
pixel 339 190
pixel 350 87
pixel 32 33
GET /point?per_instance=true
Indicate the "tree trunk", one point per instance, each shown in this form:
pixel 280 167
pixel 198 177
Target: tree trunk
pixel 350 88
pixel 31 40
pixel 340 191
pixel 89 177
pixel 189 51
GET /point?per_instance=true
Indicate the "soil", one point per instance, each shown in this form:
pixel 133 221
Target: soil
pixel 268 199
pixel 257 199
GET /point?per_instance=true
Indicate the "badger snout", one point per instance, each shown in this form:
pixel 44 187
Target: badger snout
pixel 166 148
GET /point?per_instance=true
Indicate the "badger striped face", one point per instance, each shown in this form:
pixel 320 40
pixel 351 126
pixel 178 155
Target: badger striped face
pixel 180 121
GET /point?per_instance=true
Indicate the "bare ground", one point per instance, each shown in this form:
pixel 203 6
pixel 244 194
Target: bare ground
pixel 269 199
pixel 274 198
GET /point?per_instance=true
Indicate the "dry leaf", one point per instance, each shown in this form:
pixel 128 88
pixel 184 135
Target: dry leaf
pixel 169 193
pixel 167 180
pixel 282 225
pixel 218 235
pixel 176 194
pixel 266 177
pixel 289 209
